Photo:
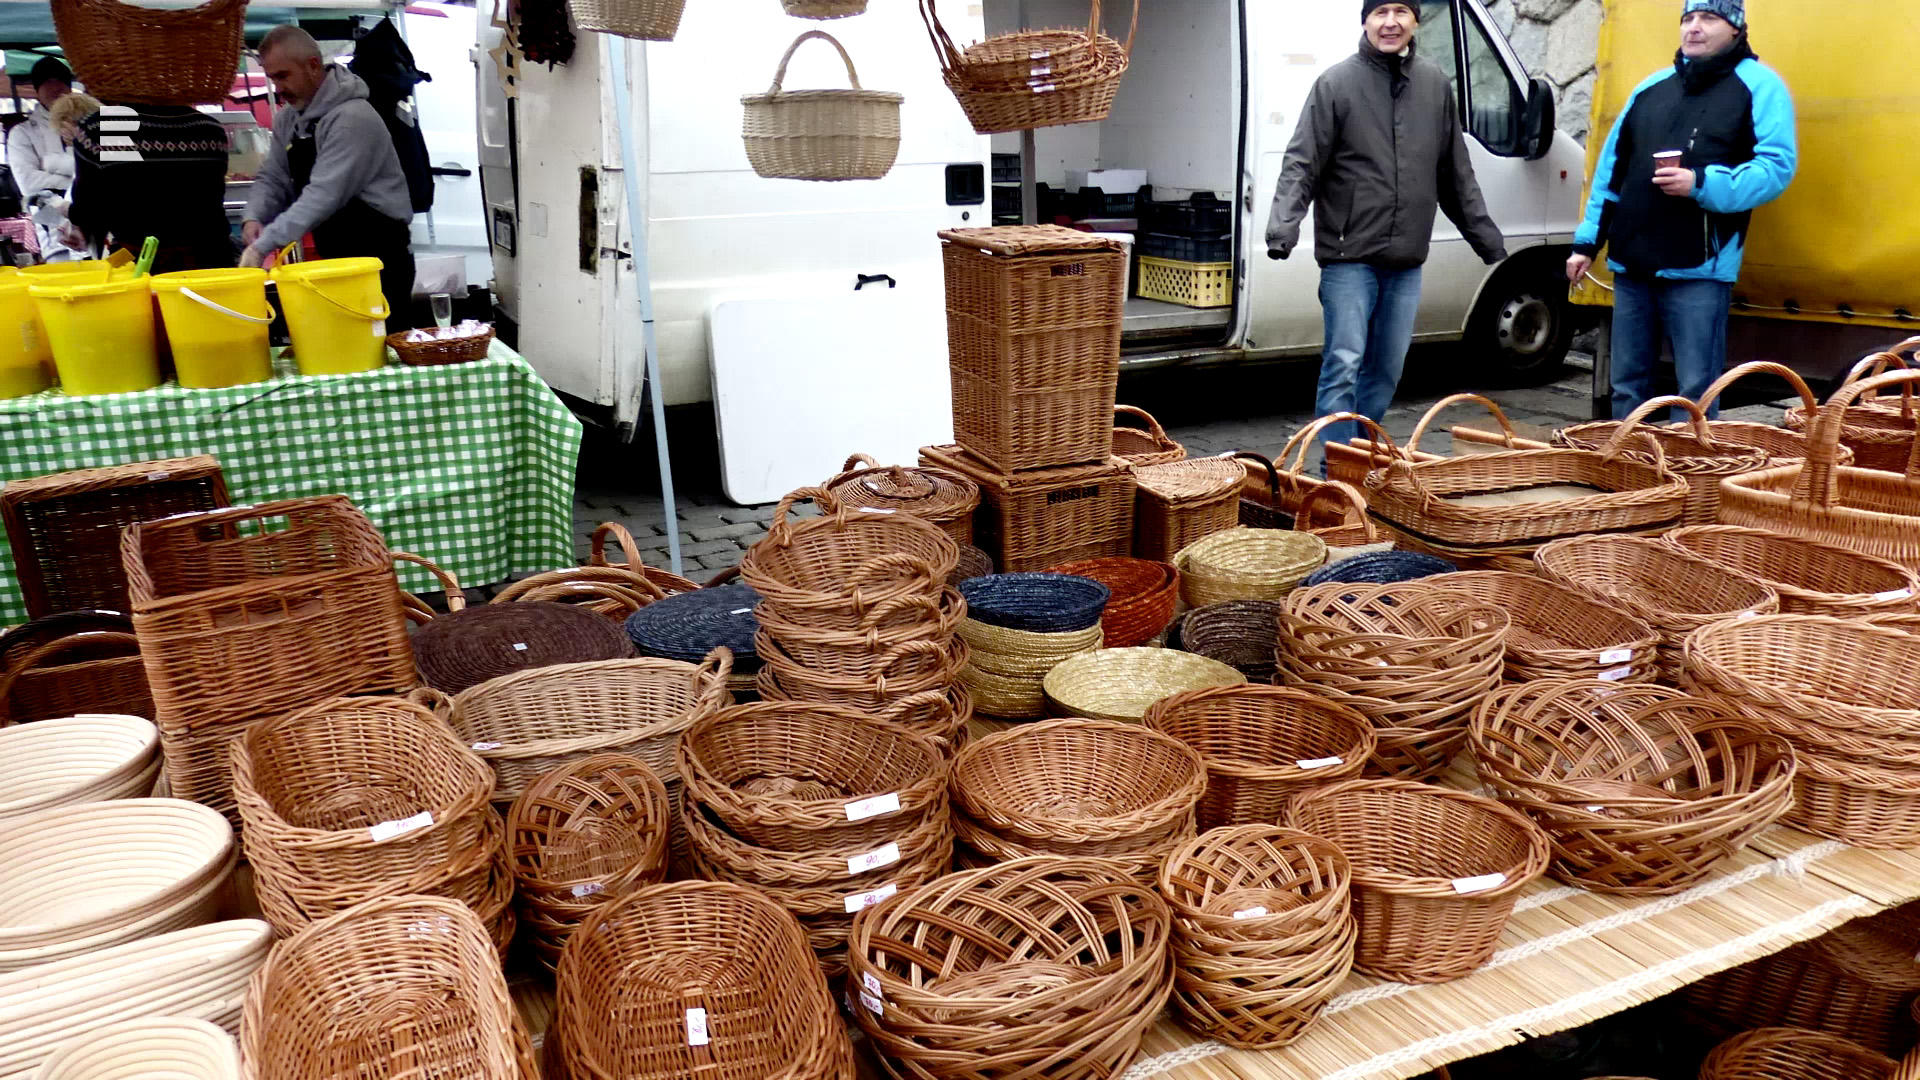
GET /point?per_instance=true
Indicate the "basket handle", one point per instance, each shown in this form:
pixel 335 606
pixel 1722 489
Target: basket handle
pixel 859 461
pixel 1093 29
pixel 780 76
pixel 225 310
pixel 437 702
pixel 1273 474
pixel 589 591
pixel 907 650
pixel 870 621
pixel 456 599
pixel 1762 367
pixel 1816 486
pixel 718 667
pixel 905 705
pixel 1153 426
pixel 375 315
pixel 1302 441
pixel 943 47
pixel 1336 489
pixel 597 553
pixel 1420 429
pixel 780 531
pixel 1877 364
pixel 884 569
pixel 722 577
pixel 60 645
pixel 1637 420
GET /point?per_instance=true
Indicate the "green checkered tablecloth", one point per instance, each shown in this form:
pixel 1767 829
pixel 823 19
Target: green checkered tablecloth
pixel 469 465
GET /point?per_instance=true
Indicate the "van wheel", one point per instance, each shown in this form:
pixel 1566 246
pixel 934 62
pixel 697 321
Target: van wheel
pixel 1522 329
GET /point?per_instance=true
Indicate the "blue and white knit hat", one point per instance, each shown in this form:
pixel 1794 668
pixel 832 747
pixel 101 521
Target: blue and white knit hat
pixel 1734 11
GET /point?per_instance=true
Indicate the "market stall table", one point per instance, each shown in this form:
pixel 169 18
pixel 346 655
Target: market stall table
pixel 469 465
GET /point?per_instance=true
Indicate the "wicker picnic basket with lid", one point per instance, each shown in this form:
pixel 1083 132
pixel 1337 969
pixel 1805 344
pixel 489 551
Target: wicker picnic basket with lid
pixel 1033 78
pixel 1880 436
pixel 1149 445
pixel 394 984
pixel 1184 501
pixel 1241 634
pixel 1261 744
pixel 1006 669
pixel 1559 632
pixel 135 55
pixel 184 1048
pixel 1263 932
pixel 87 671
pixel 1048 602
pixel 648 20
pixel 831 570
pixel 941 496
pixel 1812 578
pixel 1694 455
pixel 1122 684
pixel 77 759
pixel 1247 564
pixel 824 9
pixel 64 528
pixel 851 134
pixel 1044 517
pixel 1643 790
pixel 1040 967
pixel 1143 595
pixel 1672 590
pixel 1782 1053
pixel 1856 507
pixel 1435 872
pixel 653 967
pixel 581 836
pixel 468 647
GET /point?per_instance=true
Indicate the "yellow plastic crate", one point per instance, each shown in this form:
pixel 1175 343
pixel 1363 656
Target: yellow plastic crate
pixel 1190 284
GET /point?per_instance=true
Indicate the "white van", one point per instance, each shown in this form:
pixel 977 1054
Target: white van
pixel 1208 105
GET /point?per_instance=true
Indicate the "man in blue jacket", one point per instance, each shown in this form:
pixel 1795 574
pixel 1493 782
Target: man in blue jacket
pixel 1693 153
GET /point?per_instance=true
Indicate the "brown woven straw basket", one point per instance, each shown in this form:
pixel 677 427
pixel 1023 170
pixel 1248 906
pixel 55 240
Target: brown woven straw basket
pixel 941 496
pixel 1241 634
pixel 1043 517
pixel 1559 632
pixel 1261 744
pixel 1122 684
pixel 903 621
pixel 1033 78
pixel 1642 789
pixel 1436 872
pixel 1262 932
pixel 849 134
pixel 1149 445
pixel 1794 1054
pixel 1247 564
pixel 136 55
pixel 649 20
pixel 1812 578
pixel 1695 456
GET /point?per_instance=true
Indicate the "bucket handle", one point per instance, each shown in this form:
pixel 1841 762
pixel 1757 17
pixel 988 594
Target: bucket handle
pixel 375 315
pixel 222 309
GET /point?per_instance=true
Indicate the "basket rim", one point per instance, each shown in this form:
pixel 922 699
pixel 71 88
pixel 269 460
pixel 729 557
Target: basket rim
pixel 1516 877
pixel 1039 823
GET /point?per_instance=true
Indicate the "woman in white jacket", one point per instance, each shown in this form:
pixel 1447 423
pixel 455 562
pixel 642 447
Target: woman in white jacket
pixel 41 162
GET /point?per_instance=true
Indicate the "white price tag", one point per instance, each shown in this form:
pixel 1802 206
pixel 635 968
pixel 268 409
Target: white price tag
pixel 1897 594
pixel 874 1005
pixel 697 1027
pixel 1042 88
pixel 877 510
pixel 387 830
pixel 1617 656
pixel 159 475
pixel 1617 674
pixel 872 982
pixel 1040 69
pixel 1320 763
pixel 1250 913
pixel 874 860
pixel 589 888
pixel 488 745
pixel 1745 615
pixel 863 809
pixel 741 611
pixel 1467 885
pixel 379 328
pixel 865 900
pixel 519 646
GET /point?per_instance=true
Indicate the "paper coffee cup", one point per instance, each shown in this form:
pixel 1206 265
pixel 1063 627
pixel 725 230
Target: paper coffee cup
pixel 1668 159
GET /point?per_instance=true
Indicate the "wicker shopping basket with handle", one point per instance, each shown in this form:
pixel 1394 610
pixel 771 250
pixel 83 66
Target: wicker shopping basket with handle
pixel 1033 78
pixel 139 55
pixel 1149 445
pixel 1879 433
pixel 851 134
pixel 648 20
pixel 1695 456
pixel 1783 445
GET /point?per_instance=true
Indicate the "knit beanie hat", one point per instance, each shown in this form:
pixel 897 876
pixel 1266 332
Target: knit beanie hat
pixel 1734 11
pixel 1367 6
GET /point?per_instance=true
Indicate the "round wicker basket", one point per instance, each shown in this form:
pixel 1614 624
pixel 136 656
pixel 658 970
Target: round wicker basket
pixel 469 647
pixel 1242 634
pixel 1812 578
pixel 1247 564
pixel 1794 1054
pixel 1143 595
pixel 944 498
pixel 1261 744
pixel 1559 632
pixel 1122 684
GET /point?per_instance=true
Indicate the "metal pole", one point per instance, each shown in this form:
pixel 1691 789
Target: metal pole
pixel 1029 154
pixel 642 277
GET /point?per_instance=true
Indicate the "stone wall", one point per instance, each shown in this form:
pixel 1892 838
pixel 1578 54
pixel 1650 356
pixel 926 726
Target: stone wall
pixel 1559 40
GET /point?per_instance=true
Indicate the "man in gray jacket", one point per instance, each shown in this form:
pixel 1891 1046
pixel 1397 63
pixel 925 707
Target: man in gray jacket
pixel 1378 148
pixel 332 171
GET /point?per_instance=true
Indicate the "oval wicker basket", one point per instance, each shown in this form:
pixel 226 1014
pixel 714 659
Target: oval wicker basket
pixel 71 663
pixel 832 569
pixel 944 498
pixel 1263 932
pixel 1559 632
pixel 1693 454
pixel 1261 744
pixel 1047 602
pixel 384 982
pixel 1643 790
pixel 1074 970
pixel 177 1047
pixel 1435 872
pixel 1247 564
pixel 657 957
pixel 689 626
pixel 615 590
pixel 851 134
pixel 1143 596
pixel 861 653
pixel 1879 433
pixel 1148 445
pixel 469 647
pixel 995 80
pixel 76 759
pixel 1122 684
pixel 1783 445
pixel 1241 634
pixel 1794 1054
pixel 1812 578
pixel 648 20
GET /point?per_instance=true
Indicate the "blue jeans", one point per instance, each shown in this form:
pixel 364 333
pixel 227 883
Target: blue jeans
pixel 1369 325
pixel 1692 315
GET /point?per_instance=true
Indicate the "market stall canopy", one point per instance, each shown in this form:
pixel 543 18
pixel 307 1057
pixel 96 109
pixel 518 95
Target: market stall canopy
pixel 27 25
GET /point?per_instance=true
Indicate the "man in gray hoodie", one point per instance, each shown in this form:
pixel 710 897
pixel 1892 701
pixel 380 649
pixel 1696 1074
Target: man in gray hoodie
pixel 1378 149
pixel 332 171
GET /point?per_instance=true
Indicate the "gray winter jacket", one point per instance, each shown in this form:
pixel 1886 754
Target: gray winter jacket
pixel 353 159
pixel 1379 146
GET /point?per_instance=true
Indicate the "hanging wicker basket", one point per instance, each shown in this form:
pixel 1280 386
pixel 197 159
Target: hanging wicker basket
pixel 849 134
pixel 824 9
pixel 137 55
pixel 1033 78
pixel 648 20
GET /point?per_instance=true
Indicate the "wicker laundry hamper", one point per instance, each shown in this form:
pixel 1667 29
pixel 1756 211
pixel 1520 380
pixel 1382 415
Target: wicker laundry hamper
pixel 851 134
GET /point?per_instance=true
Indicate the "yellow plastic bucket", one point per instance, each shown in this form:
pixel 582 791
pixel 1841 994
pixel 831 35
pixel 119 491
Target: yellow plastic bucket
pixel 97 267
pixel 101 332
pixel 26 365
pixel 216 321
pixel 335 314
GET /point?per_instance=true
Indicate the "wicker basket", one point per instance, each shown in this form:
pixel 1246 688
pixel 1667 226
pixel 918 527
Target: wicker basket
pixel 1046 517
pixel 824 9
pixel 1642 789
pixel 1033 78
pixel 1669 589
pixel 831 570
pixel 917 667
pixel 940 713
pixel 1881 437
pixel 1812 578
pixel 76 759
pixel 460 348
pixel 1006 669
pixel 862 654
pixel 1783 446
pixel 1695 456
pixel 1435 872
pixel 1122 684
pixel 1040 967
pixel 696 979
pixel 1261 744
pixel 1143 597
pixel 944 498
pixel 1181 502
pixel 1794 1054
pixel 615 590
pixel 1274 498
pixel 649 20
pixel 849 134
pixel 1247 564
pixel 173 1046
pixel 583 835
pixel 1558 632
pixel 385 986
pixel 1262 932
pixel 973 563
pixel 1051 602
pixel 1150 445
pixel 690 626
pixel 141 56
pixel 1241 634
pixel 89 671
pixel 65 528
pixel 471 646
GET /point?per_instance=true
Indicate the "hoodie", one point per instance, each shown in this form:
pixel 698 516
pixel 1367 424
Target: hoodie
pixel 353 159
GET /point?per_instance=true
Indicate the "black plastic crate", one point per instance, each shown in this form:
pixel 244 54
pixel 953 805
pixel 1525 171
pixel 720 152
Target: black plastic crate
pixel 1201 215
pixel 1097 203
pixel 1006 200
pixel 1006 168
pixel 1194 249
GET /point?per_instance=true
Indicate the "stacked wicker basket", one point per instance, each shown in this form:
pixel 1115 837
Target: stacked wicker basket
pixel 1018 627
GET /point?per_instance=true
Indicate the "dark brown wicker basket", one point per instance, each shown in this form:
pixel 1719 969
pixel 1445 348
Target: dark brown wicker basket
pixel 96 671
pixel 1242 634
pixel 466 648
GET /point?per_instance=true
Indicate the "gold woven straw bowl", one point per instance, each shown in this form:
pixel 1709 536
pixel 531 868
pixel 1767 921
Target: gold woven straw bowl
pixel 1122 684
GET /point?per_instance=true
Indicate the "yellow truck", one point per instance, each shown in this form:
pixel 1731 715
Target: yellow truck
pixel 1833 266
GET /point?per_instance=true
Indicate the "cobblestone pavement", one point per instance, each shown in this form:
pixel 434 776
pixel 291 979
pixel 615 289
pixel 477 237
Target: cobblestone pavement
pixel 1208 411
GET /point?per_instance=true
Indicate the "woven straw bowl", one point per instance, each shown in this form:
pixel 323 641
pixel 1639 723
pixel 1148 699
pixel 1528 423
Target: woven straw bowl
pixel 1436 872
pixel 196 973
pixel 1122 684
pixel 1557 631
pixel 76 759
pixel 1239 633
pixel 1247 564
pixel 1037 603
pixel 1045 966
pixel 1381 568
pixel 1066 783
pixel 1261 744
pixel 390 984
pixel 1643 790
pixel 178 1047
pixel 629 977
pixel 1782 1053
